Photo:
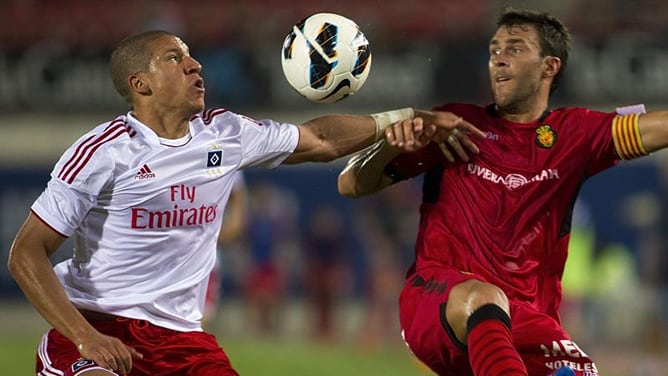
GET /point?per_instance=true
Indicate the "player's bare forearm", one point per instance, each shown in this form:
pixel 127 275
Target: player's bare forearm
pixel 653 128
pixel 328 137
pixel 30 266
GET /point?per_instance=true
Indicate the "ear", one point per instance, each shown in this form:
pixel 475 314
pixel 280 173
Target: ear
pixel 138 84
pixel 552 66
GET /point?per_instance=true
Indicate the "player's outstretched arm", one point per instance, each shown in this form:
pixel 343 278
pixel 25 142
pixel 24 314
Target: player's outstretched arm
pixel 328 137
pixel 332 136
pixel 653 129
pixel 30 266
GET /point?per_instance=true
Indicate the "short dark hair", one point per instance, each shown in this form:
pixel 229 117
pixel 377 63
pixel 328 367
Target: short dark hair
pixel 132 55
pixel 555 39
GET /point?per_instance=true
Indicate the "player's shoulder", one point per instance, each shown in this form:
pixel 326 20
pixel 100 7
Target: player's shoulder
pixel 577 111
pixel 105 141
pixel 108 133
pixel 213 115
pixel 226 122
pixel 222 118
pixel 578 114
pixel 95 151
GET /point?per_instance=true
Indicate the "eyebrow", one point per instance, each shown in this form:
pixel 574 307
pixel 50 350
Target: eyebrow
pixel 494 42
pixel 171 49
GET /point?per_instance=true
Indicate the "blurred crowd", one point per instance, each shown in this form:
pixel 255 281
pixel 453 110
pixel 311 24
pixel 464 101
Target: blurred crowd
pixel 53 54
pixel 99 24
pixel 325 255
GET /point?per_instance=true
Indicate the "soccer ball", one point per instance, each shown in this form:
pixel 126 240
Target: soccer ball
pixel 326 57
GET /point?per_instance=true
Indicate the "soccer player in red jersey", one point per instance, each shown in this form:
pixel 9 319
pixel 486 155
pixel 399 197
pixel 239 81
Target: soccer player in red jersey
pixel 483 294
pixel 145 194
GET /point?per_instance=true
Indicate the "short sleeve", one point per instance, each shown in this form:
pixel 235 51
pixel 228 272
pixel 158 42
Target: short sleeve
pixel 62 207
pixel 267 142
pixel 598 130
pixel 76 181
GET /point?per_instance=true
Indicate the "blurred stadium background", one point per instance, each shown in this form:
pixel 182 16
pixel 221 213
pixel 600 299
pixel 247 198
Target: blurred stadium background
pixel 341 319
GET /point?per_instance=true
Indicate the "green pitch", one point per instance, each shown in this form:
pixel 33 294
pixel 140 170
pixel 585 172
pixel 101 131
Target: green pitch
pixel 270 358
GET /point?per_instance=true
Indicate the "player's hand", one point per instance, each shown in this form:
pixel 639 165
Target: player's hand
pixel 452 133
pixel 108 352
pixel 409 135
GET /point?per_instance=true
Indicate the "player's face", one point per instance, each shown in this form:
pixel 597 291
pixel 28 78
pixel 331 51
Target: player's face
pixel 174 77
pixel 515 66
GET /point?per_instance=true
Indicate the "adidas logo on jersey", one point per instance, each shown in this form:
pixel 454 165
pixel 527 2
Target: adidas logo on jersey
pixel 145 173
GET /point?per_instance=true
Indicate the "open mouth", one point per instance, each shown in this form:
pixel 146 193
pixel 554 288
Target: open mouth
pixel 199 84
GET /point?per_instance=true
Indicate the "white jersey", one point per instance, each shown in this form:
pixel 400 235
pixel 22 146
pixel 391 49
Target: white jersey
pixel 147 211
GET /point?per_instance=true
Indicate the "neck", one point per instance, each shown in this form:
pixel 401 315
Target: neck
pixel 165 125
pixel 526 108
pixel 518 115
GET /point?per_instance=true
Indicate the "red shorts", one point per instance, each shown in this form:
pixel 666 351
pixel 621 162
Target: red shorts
pixel 166 352
pixel 540 340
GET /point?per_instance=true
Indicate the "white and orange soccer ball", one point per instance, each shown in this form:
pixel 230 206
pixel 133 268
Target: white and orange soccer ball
pixel 326 57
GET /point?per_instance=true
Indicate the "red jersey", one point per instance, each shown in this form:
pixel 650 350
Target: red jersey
pixel 506 214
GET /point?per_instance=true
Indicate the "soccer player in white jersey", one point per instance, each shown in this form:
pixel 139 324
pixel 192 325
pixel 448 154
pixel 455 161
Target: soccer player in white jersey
pixel 144 194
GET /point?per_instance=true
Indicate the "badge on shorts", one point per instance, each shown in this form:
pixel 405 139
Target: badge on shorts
pixel 81 363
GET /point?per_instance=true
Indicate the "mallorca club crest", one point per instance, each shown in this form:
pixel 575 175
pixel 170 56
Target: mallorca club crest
pixel 546 137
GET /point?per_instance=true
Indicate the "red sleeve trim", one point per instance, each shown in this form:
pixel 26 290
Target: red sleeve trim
pixel 48 225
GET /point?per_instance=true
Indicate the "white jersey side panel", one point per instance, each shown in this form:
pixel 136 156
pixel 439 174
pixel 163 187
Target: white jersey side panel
pixel 146 212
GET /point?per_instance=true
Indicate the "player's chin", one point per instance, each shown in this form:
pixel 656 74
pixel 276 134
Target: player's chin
pixel 500 100
pixel 198 106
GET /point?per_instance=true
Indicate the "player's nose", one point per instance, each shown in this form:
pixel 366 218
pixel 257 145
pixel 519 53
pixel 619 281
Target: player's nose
pixel 498 60
pixel 192 65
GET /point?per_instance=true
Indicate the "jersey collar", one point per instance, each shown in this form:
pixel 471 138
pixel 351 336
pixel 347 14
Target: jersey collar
pixel 151 137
